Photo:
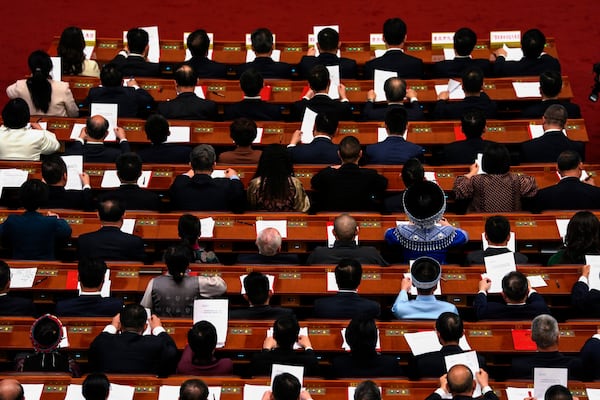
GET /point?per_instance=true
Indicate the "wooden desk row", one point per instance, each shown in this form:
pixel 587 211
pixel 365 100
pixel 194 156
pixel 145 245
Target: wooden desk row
pixel 325 335
pixel 426 133
pixel 163 175
pixel 172 52
pixel 287 91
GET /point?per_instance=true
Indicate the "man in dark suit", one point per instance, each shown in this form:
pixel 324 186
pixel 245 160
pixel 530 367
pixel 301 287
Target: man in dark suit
pixel 394 59
pixel 268 242
pixel 464 43
pixel 54 173
pixel 521 301
pixel 132 60
pixel 197 190
pixel 550 87
pixel 586 300
pixel 570 193
pixel 161 152
pixel 545 334
pixel 554 141
pixel 345 246
pixel 473 123
pixel 187 105
pixel 395 93
pixel 321 150
pixel 394 149
pixel 109 242
pixel 348 187
pixel 318 100
pixel 252 106
pixel 258 295
pixel 132 100
pixel 346 304
pixel 262 45
pixel 121 347
pixel 449 329
pixel 533 63
pixel 90 142
pixel 590 358
pixel 130 194
pixel 459 384
pixel 328 43
pixel 472 84
pixel 497 233
pixel 90 303
pixel 198 44
pixel 11 305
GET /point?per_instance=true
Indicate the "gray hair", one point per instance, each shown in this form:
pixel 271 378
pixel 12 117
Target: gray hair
pixel 268 242
pixel 544 331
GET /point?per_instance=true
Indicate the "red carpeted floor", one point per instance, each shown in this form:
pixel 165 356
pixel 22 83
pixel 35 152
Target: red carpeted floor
pixel 27 26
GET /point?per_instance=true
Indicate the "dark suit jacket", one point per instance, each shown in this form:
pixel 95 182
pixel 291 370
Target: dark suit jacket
pixel 277 259
pixel 134 197
pixel 89 306
pixel 136 66
pixel 347 366
pixel 345 305
pixel 343 249
pixel 16 306
pixel 548 147
pixel 260 312
pixel 268 68
pixel 347 65
pixel 476 257
pixel 132 102
pixel 322 103
pixel 568 194
pixel 377 111
pixel 455 68
pixel 407 67
pixel 446 109
pixel 522 367
pixel 262 362
pixel 207 69
pixel 488 396
pixel 393 150
pixel 131 353
pixel 188 106
pixel 58 197
pixel 203 193
pixel 537 110
pixel 109 243
pixel 433 365
pixel 585 300
pixel 254 109
pixel 165 153
pixel 348 188
pixel 33 236
pixel 526 66
pixel 98 153
pixel 590 358
pixel 463 151
pixel 320 151
pixel 489 310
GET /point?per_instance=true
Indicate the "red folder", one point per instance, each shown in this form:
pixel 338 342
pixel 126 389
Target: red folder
pixel 72 280
pixel 458 133
pixel 265 93
pixel 522 340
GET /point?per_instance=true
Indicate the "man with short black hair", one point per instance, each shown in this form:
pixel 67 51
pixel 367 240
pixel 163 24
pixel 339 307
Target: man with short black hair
pixel 473 124
pixel 121 347
pixel 193 389
pixel 395 92
pixel 90 303
pixel 252 106
pixel 133 59
pixel 367 390
pixel 459 384
pixel 11 389
pixel 258 295
pixel 262 45
pixel 522 302
pixel 95 387
pixel 197 190
pixel 161 152
pixel 395 149
pixel 109 242
pixel 550 87
pixel 12 305
pixel 90 142
pixel 242 131
pixel 286 387
pixel 198 43
pixel 497 233
pixel 395 59
pixel 475 97
pixel 187 105
pixel 54 173
pixel 321 150
pixel 464 40
pixel 346 304
pixel 328 43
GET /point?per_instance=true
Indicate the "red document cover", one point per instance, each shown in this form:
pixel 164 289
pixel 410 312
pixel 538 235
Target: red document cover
pixel 522 340
pixel 265 93
pixel 72 280
pixel 458 133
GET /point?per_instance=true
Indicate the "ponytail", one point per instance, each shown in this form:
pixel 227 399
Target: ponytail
pixel 39 87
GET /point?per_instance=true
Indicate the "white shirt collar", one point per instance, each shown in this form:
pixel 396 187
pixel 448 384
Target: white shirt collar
pixel 90 293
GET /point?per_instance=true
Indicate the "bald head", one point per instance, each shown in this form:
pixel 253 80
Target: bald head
pixel 268 242
pixel 11 389
pixel 460 380
pixel 344 227
pixel 395 90
pixel 185 78
pixel 96 127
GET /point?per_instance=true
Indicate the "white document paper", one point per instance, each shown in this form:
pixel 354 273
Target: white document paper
pixel 454 88
pixel 271 279
pixel 427 341
pixel 594 263
pixel 513 393
pixel 74 168
pixel 280 225
pixel 153 43
pixel 110 113
pixel 334 81
pixel 379 52
pixel 297 371
pixel 198 91
pixel 413 289
pixel 346 346
pixel 511 242
pixel 469 359
pixel 536 131
pixel 214 311
pixel 381 134
pixel 479 162
pixel 430 176
pixel 512 53
pixel 128 225
pixel 379 81
pixel 76 131
pixel 89 36
pixel 332 285
pixel 527 89
pixel 110 179
pixel 259 133
pixel 251 55
pixel 207 227
pixel 536 281
pixel 64 342
pixel 449 54
pixel 33 391
pixel 167 392
pixel 561 225
pixel 178 134
pixel 218 173
pixel 593 394
pixel 497 267
pixel 22 277
pixel 331 236
pixel 543 378
pixel 308 125
pixel 12 177
pixel 254 392
pixel 56 72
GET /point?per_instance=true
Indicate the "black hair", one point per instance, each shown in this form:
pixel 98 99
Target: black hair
pixel 349 149
pixel 328 39
pixel 251 82
pixel 583 237
pixel 198 43
pixel 473 123
pixel 394 31
pixel 496 159
pixel 188 229
pixel 137 40
pixel 202 338
pixel 568 160
pixel 243 131
pixel 367 390
pixel 39 87
pixel 91 272
pixel 551 83
pixel 449 326
pixel 95 386
pixel 185 77
pixel 532 43
pixel 133 316
pixel 262 40
pixel 464 41
pixel 257 288
pixel 33 194
pixel 396 121
pixel 412 172
pixel 4 275
pixel 111 76
pixel 556 114
pixel 178 259
pixel 497 229
pixel 286 387
pixel 558 392
pixel 157 128
pixel 129 167
pixel 275 168
pixel 110 209
pixel 70 50
pixel 285 331
pixel 361 336
pixel 515 286
pixel 326 123
pixel 348 274
pixel 15 114
pixel 53 169
pixel 472 80
pixel 318 78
